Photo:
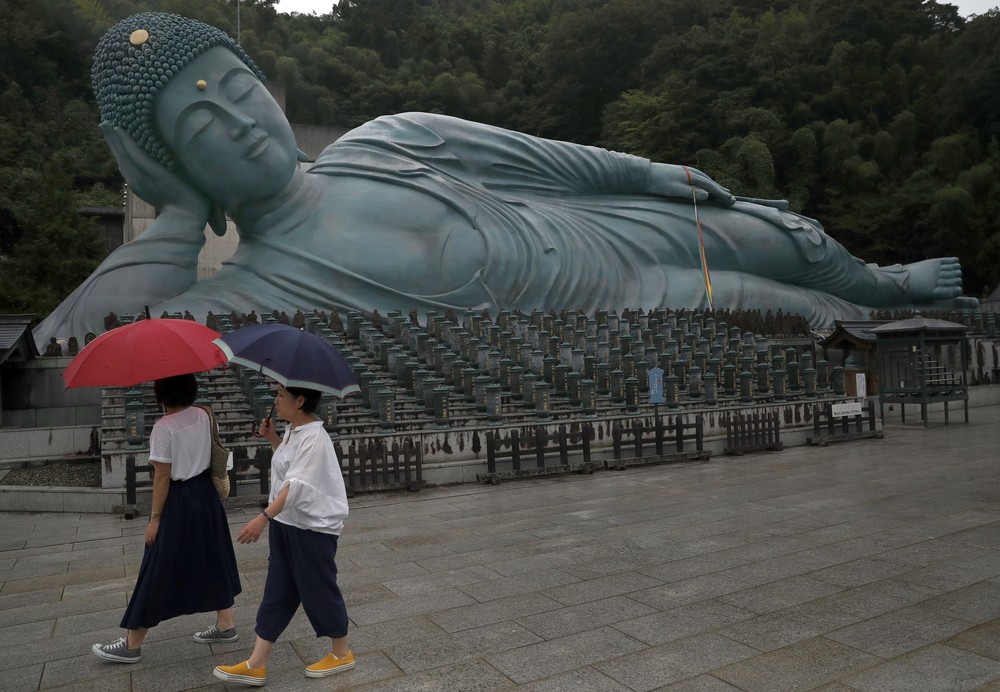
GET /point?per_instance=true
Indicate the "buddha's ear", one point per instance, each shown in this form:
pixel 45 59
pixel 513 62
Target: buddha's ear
pixel 217 220
pixel 303 157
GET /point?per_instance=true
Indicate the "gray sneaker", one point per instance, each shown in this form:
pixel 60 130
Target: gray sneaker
pixel 214 634
pixel 117 651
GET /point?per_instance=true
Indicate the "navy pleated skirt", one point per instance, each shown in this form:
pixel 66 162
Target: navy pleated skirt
pixel 191 568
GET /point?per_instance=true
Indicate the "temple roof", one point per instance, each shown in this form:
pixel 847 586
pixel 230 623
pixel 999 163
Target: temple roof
pixel 857 333
pixel 15 337
pixel 920 324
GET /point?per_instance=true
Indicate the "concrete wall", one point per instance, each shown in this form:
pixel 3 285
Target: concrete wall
pixel 42 419
pixel 35 396
pixel 26 444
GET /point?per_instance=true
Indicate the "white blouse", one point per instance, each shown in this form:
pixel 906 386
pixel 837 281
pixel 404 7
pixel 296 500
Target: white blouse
pixel 183 440
pixel 306 463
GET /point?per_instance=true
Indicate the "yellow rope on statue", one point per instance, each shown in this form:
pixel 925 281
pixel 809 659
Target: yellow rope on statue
pixel 701 244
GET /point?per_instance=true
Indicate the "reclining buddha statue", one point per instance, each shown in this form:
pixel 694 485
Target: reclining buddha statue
pixel 419 211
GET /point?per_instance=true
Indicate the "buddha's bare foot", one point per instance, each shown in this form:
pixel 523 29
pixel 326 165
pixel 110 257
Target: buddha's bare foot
pixel 933 280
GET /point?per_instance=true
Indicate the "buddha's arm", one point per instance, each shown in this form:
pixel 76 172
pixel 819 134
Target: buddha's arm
pixel 505 160
pixel 158 265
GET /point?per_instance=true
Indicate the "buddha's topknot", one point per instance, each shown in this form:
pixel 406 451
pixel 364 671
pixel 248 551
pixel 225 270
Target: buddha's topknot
pixel 137 57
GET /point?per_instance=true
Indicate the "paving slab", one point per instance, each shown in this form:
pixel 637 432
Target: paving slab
pixel 934 667
pixel 789 626
pixel 447 649
pixel 869 565
pixel 650 668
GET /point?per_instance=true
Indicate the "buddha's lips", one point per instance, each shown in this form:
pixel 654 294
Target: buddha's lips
pixel 256 147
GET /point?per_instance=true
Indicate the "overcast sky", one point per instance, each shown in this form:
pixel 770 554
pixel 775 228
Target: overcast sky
pixel 965 7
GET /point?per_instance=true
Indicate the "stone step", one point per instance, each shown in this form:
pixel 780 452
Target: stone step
pixel 223 411
pixel 214 392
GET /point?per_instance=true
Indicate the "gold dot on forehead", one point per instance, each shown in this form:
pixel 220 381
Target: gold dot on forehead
pixel 138 37
pixel 201 84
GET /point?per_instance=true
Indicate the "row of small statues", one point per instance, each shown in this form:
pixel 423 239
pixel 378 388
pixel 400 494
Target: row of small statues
pixel 54 348
pixel 981 322
pixel 776 324
pixel 237 319
pixel 112 320
pixel 772 324
pixel 297 320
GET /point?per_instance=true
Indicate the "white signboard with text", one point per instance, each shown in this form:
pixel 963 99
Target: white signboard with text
pixel 845 410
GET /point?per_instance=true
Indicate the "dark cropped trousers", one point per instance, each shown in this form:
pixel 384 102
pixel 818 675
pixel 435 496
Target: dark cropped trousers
pixel 301 569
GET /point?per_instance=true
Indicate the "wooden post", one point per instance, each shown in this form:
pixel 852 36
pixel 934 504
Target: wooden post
pixel 130 480
pixel 491 452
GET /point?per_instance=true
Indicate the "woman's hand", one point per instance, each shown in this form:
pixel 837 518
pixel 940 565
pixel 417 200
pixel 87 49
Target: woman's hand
pixel 266 430
pixel 670 180
pixel 253 529
pixel 152 528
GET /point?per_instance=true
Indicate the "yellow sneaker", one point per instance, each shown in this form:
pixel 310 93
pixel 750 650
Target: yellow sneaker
pixel 330 665
pixel 241 672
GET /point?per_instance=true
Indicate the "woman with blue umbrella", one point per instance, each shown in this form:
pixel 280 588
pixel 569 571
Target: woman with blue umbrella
pixel 308 502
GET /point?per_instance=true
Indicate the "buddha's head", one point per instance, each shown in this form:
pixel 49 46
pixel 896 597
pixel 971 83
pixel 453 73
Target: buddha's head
pixel 195 101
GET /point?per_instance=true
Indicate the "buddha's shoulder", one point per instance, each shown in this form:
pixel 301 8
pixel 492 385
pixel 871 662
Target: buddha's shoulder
pixel 420 128
pixel 405 132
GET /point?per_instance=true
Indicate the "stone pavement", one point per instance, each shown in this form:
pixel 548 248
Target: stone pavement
pixel 870 565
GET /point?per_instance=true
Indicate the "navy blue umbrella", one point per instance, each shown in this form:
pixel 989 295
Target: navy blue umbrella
pixel 290 356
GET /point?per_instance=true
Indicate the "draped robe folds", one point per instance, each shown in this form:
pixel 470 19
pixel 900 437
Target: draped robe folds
pixel 563 225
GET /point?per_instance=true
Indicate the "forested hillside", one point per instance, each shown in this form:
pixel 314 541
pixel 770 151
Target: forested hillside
pixel 878 117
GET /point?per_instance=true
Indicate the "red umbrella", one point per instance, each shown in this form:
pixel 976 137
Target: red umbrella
pixel 143 351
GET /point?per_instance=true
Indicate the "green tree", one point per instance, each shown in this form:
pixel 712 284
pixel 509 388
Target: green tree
pixel 970 95
pixel 57 251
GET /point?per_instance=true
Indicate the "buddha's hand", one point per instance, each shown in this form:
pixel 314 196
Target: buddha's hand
pixel 167 191
pixel 670 180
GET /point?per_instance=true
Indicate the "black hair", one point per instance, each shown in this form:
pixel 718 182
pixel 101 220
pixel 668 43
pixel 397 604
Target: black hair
pixel 179 390
pixel 311 397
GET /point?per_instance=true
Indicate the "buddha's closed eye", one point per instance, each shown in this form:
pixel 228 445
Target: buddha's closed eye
pixel 240 87
pixel 196 122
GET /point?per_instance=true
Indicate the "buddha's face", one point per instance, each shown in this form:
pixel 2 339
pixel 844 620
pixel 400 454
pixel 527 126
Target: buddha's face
pixel 227 132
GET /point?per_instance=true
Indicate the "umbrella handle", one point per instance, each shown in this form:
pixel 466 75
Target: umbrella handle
pixel 254 430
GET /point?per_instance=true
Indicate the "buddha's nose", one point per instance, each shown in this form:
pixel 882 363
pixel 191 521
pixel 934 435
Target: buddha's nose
pixel 243 125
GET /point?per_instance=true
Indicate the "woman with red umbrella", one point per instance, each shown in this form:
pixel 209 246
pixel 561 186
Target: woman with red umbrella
pixel 189 565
